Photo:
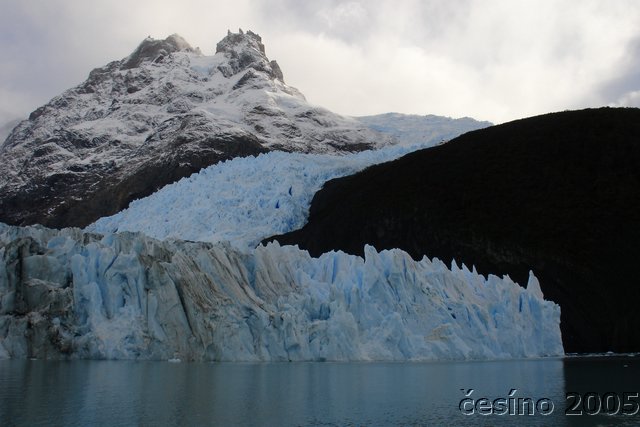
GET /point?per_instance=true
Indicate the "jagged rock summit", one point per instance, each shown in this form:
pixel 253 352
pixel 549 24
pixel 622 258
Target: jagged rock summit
pixel 156 116
pixel 246 51
pixel 155 50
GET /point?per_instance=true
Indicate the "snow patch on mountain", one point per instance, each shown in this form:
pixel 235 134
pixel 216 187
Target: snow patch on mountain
pixel 414 129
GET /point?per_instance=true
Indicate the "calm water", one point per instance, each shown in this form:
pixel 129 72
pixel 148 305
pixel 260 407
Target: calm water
pixel 87 393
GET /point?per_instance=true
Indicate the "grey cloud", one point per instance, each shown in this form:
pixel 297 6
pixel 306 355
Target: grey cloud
pixel 623 89
pixel 491 59
pixel 349 21
pixel 418 22
pixel 45 50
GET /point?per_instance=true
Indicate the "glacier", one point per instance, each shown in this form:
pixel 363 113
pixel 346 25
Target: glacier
pixel 242 200
pixel 73 294
pixel 412 129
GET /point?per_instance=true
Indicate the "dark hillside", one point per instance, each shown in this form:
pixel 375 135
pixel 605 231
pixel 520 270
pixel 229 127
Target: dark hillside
pixel 558 194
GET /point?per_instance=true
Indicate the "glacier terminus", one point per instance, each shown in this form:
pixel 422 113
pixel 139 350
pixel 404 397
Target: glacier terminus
pixel 70 294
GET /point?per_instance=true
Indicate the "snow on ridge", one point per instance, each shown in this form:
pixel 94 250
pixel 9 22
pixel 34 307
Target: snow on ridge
pixel 242 200
pixel 415 129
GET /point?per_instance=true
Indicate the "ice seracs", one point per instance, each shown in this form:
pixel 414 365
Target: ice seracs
pixel 126 296
pixel 243 200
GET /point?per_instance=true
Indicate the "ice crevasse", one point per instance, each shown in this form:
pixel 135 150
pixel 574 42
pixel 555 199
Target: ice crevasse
pixel 242 200
pixel 71 294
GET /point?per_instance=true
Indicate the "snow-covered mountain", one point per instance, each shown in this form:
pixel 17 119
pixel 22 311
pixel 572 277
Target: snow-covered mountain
pixel 126 296
pixel 427 130
pixel 160 114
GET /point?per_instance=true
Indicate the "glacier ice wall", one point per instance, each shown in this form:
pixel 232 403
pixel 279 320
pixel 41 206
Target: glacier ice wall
pixel 243 200
pixel 65 293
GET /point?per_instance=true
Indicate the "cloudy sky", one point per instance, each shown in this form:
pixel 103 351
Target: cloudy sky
pixel 494 60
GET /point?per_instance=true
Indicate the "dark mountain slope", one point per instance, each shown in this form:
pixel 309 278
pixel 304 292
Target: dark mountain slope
pixel 558 194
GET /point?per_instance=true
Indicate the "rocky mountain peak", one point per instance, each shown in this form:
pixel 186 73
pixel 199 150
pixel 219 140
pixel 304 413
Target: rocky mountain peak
pixel 152 118
pixel 244 51
pixel 240 41
pixel 151 50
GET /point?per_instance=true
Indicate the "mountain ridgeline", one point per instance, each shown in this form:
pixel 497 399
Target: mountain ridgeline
pixel 558 194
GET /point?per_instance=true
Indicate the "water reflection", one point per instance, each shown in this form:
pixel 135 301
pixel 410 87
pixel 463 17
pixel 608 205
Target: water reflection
pixel 270 394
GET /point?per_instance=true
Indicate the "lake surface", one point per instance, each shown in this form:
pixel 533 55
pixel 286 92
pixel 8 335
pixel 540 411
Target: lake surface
pixel 123 393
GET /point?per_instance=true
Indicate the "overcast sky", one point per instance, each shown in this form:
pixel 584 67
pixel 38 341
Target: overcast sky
pixel 494 60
